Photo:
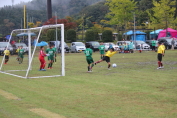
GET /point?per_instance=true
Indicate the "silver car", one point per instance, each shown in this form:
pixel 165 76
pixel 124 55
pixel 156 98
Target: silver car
pixel 107 46
pixel 143 45
pixel 77 47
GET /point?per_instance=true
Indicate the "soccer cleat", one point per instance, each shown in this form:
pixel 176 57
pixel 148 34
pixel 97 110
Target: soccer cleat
pixel 43 69
pixel 49 68
pixel 89 71
pixel 95 63
pixel 162 67
pixel 40 69
pixel 159 68
pixel 109 69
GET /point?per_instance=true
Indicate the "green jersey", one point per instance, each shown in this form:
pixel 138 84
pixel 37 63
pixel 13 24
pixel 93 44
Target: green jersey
pixel 51 52
pixel 153 42
pixel 55 49
pixel 21 52
pixel 88 52
pixel 101 47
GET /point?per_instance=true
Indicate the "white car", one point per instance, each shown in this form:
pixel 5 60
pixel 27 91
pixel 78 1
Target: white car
pixel 77 47
pixel 143 45
pixel 113 45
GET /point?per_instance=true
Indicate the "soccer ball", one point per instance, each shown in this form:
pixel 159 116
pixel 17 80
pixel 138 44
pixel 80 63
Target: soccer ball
pixel 114 65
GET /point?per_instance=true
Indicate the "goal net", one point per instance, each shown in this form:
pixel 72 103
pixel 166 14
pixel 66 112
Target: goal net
pixel 27 64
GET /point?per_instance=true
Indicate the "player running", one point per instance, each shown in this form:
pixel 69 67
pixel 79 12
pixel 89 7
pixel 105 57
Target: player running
pixel 160 52
pixel 6 53
pixel 21 54
pixel 89 59
pixel 42 59
pixel 51 53
pixel 107 56
pixel 102 49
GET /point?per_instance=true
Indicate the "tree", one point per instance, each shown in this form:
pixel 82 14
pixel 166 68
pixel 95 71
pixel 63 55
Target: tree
pixel 89 35
pixel 71 35
pixel 107 36
pixel 120 11
pixel 162 14
pixel 51 34
pixel 67 24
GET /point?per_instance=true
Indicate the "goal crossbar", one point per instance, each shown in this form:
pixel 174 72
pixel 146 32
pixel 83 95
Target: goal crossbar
pixel 31 55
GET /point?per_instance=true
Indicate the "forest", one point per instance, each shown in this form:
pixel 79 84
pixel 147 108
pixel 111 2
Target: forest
pixel 97 15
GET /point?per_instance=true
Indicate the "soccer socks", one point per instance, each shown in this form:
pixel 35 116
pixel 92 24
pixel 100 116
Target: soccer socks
pixel 88 68
pixel 159 63
pixel 51 64
pixel 109 65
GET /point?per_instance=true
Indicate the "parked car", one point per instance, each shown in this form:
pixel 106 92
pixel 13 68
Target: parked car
pixel 77 47
pixel 107 46
pixel 25 47
pixel 58 46
pixel 166 41
pixel 127 42
pixel 144 45
pixel 93 45
pixel 3 45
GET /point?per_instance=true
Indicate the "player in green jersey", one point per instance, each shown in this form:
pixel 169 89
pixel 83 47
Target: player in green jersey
pixel 102 49
pixel 55 54
pixel 51 53
pixel 21 54
pixel 89 59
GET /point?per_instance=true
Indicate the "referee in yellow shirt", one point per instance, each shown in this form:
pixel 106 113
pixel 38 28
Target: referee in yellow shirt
pixel 6 53
pixel 107 56
pixel 160 54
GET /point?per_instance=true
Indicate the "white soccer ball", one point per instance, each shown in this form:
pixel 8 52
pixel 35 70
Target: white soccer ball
pixel 114 65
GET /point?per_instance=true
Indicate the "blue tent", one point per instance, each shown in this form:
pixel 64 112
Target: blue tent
pixel 42 43
pixel 140 36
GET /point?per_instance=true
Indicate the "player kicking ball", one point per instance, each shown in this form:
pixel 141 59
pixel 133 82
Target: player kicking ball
pixel 42 56
pixel 51 53
pixel 89 59
pixel 160 54
pixel 21 54
pixel 107 56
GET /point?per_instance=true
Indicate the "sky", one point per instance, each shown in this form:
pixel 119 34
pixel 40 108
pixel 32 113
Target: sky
pixel 9 2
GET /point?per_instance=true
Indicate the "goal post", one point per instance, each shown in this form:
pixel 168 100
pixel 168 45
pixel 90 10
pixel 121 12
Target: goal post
pixel 32 59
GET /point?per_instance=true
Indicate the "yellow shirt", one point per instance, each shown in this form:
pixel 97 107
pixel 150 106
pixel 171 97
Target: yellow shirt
pixel 7 52
pixel 110 54
pixel 163 46
pixel 161 49
pixel 17 50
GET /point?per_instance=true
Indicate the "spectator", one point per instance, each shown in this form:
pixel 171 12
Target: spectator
pixel 172 44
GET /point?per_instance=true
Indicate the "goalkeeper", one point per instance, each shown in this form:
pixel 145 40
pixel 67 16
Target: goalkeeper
pixel 41 58
pixel 51 53
pixel 107 56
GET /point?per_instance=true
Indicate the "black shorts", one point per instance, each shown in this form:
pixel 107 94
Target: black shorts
pixel 159 57
pixel 6 57
pixel 106 58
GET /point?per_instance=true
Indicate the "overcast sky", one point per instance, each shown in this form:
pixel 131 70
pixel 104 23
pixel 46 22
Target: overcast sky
pixel 9 2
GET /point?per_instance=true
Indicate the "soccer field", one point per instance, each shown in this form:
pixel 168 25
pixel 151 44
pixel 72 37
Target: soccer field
pixel 135 89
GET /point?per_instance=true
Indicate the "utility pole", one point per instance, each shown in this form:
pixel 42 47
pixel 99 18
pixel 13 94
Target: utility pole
pixel 49 9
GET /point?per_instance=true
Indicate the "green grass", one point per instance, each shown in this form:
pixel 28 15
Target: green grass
pixel 135 89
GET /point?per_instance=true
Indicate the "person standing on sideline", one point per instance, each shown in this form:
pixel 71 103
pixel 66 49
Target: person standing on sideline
pixel 131 46
pixel 153 43
pixel 172 44
pixel 102 49
pixel 160 54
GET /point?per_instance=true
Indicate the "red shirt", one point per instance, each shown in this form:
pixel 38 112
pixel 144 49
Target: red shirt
pixel 42 54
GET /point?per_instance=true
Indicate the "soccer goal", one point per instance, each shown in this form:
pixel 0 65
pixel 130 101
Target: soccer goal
pixel 27 66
